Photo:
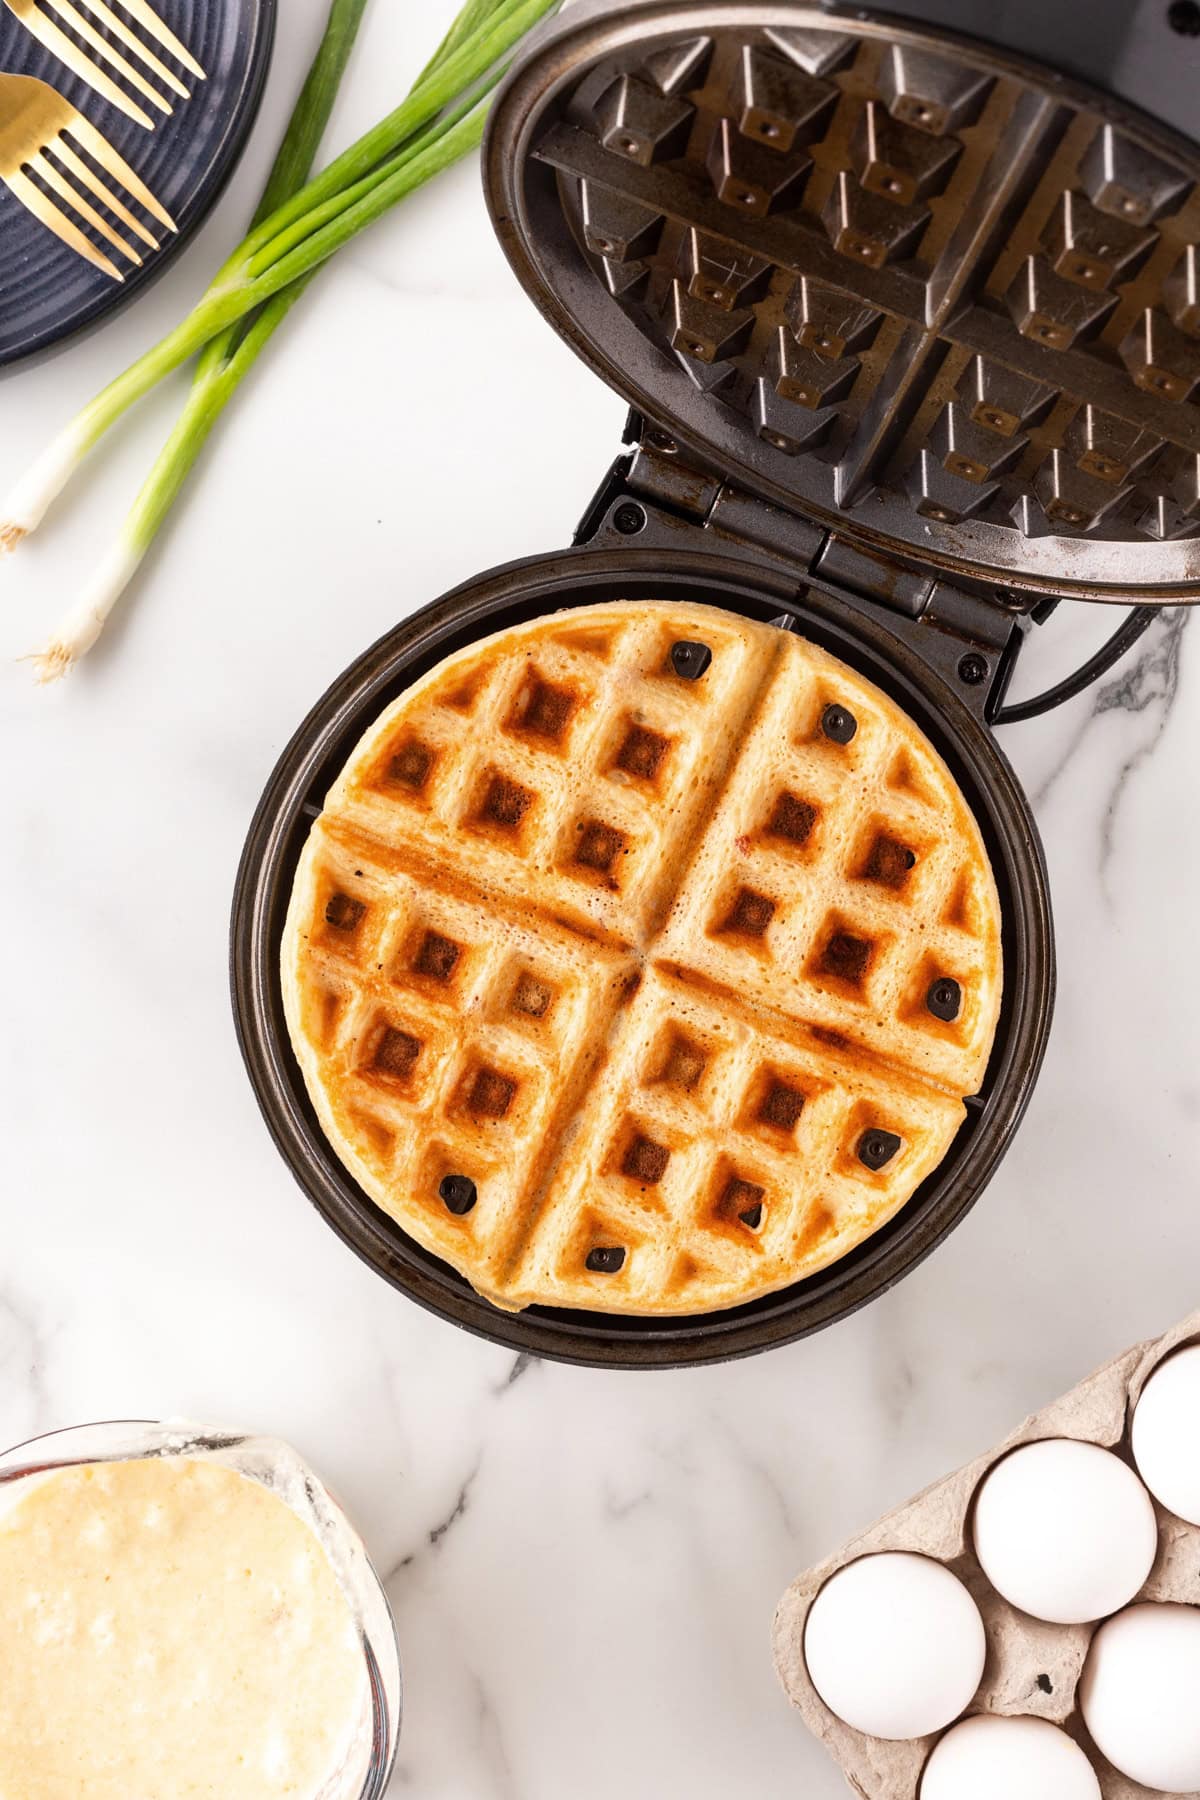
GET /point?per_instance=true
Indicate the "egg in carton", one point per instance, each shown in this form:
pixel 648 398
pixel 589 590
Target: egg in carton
pixel 1033 1669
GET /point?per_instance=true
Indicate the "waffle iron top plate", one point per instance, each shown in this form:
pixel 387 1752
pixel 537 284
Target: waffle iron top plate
pixel 942 300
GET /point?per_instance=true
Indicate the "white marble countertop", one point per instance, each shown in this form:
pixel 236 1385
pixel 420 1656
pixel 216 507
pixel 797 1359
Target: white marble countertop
pixel 583 1566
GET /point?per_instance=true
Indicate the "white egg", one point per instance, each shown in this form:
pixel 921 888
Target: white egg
pixel 1166 1434
pixel 989 1758
pixel 1065 1531
pixel 895 1645
pixel 1140 1695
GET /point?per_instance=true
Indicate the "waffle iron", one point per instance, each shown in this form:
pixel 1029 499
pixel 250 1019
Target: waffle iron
pixel 909 325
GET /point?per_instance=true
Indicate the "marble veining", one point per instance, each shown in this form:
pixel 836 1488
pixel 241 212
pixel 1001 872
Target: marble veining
pixel 1147 681
pixel 583 1565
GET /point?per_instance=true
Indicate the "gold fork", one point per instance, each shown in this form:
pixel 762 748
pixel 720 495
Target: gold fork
pixel 36 125
pixel 36 20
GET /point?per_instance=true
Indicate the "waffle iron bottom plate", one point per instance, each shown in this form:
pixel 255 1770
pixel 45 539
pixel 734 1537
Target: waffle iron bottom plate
pixel 295 794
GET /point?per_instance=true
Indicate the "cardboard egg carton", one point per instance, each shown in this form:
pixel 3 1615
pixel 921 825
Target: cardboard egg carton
pixel 1032 1668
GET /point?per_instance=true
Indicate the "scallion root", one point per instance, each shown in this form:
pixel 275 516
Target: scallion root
pixel 52 663
pixel 89 615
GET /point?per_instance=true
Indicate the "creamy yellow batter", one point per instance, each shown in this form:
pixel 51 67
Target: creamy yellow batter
pixel 170 1630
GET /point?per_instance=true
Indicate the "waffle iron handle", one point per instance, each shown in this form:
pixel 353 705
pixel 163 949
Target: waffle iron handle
pixel 1122 639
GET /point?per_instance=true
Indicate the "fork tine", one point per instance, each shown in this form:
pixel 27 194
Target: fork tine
pixel 149 21
pixel 98 146
pixel 105 14
pixel 54 178
pixel 59 44
pixel 71 15
pixel 101 189
pixel 43 208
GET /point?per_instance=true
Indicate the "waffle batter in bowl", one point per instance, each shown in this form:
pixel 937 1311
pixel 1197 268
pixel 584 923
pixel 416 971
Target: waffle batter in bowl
pixel 186 1614
pixel 642 959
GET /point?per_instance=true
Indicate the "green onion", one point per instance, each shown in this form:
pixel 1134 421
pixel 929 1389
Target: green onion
pixel 299 224
pixel 221 366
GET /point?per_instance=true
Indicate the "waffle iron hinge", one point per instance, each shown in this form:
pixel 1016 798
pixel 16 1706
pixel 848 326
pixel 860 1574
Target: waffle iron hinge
pixel 971 639
pixel 654 494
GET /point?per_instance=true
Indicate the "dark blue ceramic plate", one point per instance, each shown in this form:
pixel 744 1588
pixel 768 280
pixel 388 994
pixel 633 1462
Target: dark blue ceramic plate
pixel 46 290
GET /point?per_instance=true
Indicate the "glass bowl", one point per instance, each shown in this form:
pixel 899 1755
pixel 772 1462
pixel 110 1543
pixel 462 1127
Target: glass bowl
pixel 274 1465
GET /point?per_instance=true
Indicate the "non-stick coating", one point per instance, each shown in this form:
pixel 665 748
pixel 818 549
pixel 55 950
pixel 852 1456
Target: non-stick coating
pixel 705 198
pixel 295 794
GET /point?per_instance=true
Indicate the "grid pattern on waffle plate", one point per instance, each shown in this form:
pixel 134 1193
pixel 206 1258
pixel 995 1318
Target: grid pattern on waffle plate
pixel 659 1100
pixel 720 1155
pixel 579 761
pixel 843 882
pixel 904 278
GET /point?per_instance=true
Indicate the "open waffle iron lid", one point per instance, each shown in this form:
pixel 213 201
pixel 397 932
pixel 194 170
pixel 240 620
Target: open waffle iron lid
pixel 940 300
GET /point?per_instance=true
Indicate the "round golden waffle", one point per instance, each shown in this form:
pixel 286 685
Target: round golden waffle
pixel 641 959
